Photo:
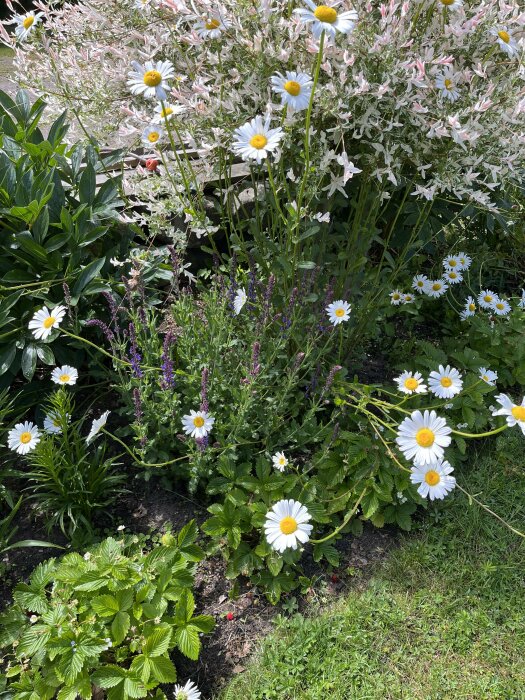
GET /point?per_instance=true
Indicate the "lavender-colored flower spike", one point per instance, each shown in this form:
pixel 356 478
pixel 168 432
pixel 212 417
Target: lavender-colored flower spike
pixel 168 376
pixel 134 356
pixel 103 327
pixel 330 379
pixel 256 367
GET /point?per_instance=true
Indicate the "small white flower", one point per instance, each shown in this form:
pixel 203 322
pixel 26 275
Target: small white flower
pixel 87 556
pixel 411 383
pixel 486 298
pixel 151 135
pixel 212 27
pixel 33 619
pixel 45 320
pixel 396 297
pixel 52 424
pixel 23 438
pixel 506 41
pixel 408 298
pixel 451 4
pixel 97 425
pixel 279 461
pixel 120 528
pixel 338 311
pixel 521 303
pixel 452 262
pixel 446 382
pixel 25 24
pixel 500 307
pixel 446 82
pixel 464 261
pixel 470 308
pixel 452 276
pixel 488 376
pixel 188 691
pixel 294 88
pixel 64 375
pixel 254 140
pixel 326 18
pixel 434 479
pixel 419 282
pixel 423 437
pixel 240 300
pixel 436 288
pixel 167 112
pixel 286 525
pixel 150 79
pixel 515 414
pixel 197 424
pixel 142 4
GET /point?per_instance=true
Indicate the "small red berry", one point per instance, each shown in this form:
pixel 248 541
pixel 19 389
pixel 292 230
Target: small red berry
pixel 334 578
pixel 152 164
pixel 229 616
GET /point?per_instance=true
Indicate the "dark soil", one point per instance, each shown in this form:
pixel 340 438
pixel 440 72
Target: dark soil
pixel 226 651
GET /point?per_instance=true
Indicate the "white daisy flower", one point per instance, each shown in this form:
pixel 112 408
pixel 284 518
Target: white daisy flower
pixel 434 479
pixel 488 376
pixel 452 262
pixel 411 383
pixel 254 140
pixel 150 79
pixel 326 18
pixel 470 308
pixel 52 424
pixel 423 437
pixel 197 424
pixel 212 27
pixel 240 300
pixel 452 276
pixel 151 135
pixel 408 298
pixel 521 303
pixel 446 382
pixel 166 113
pixel 64 375
pixel 515 414
pixel 464 261
pixel 97 425
pixel 500 307
pixel 188 691
pixel 446 82
pixel 279 461
pixel 506 41
pixel 436 288
pixel 396 297
pixel 338 311
pixel 294 88
pixel 142 4
pixel 419 282
pixel 23 438
pixel 451 4
pixel 45 320
pixel 25 24
pixel 286 525
pixel 486 298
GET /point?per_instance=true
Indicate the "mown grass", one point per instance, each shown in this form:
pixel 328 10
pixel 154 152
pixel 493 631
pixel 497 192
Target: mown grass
pixel 442 619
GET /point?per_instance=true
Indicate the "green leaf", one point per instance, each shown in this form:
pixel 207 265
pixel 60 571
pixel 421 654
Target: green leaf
pixel 120 626
pixel 188 641
pixel 87 274
pixel 105 605
pixel 29 361
pixel 163 670
pixel 158 641
pixel 45 354
pixel 87 185
pixel 188 534
pixel 108 676
pixel 6 358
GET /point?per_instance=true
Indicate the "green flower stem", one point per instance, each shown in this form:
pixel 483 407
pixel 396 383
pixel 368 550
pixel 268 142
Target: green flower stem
pixel 481 435
pixel 345 522
pixel 134 456
pixel 106 353
pixel 486 508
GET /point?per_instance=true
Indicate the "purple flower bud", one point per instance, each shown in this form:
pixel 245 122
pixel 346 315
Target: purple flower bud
pixel 67 294
pixel 256 367
pixel 103 327
pixel 168 377
pixel 330 379
pixel 134 355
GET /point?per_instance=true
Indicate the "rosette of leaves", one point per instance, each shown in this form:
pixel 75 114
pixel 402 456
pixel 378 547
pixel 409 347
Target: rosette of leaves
pixel 105 624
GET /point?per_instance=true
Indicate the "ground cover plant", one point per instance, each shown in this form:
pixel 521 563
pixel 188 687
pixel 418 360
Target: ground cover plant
pixel 299 305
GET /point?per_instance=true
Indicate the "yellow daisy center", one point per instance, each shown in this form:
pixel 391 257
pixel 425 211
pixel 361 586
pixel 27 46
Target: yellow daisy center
pixel 292 87
pixel 504 36
pixel 258 141
pixel 64 378
pixel 519 413
pixel 48 323
pixel 446 382
pixel 452 263
pixel 432 477
pixel 500 306
pixel 396 296
pixel 425 437
pixel 411 383
pixel 212 24
pixel 56 423
pixel 152 78
pixel 166 112
pixel 447 3
pixel 448 83
pixel 28 22
pixel 462 261
pixel 339 312
pixel 153 137
pixel 288 525
pixel 25 438
pixel 472 307
pixel 282 461
pixel 198 421
pixel 436 287
pixel 325 14
pixel 452 275
pixel 485 377
pixel 487 297
pixel 420 283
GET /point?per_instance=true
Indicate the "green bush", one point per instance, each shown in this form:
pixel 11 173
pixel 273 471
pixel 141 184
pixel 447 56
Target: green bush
pixel 108 619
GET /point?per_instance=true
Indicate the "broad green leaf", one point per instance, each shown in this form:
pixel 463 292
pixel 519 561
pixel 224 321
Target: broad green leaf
pixel 87 274
pixel 158 641
pixel 188 641
pixel 163 670
pixel 120 627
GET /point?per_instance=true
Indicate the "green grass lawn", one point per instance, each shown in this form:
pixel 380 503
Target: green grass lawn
pixel 442 618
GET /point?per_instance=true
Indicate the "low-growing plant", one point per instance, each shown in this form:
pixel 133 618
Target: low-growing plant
pixel 110 619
